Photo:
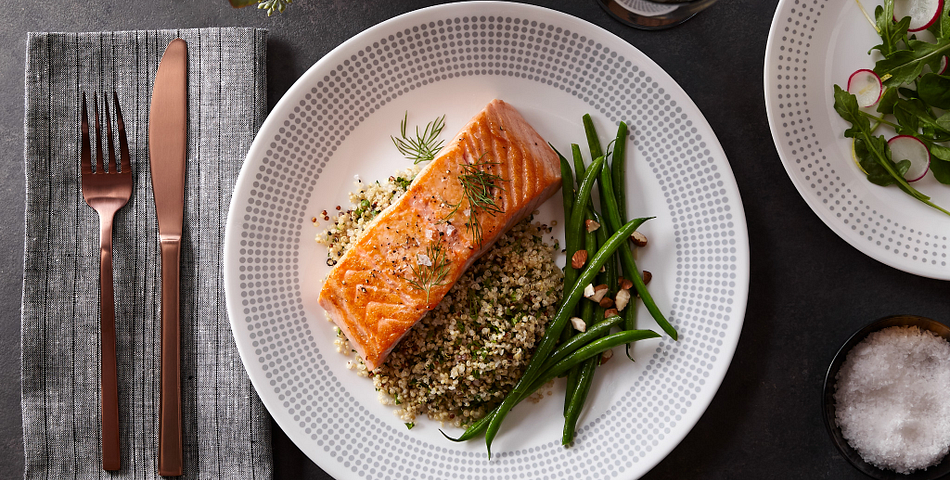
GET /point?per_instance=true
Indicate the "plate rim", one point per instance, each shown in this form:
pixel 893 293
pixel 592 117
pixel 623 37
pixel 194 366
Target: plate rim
pixel 743 262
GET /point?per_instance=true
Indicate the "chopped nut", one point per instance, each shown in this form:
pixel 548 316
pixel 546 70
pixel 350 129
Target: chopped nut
pixel 579 258
pixel 606 302
pixel 625 284
pixel 647 276
pixel 591 225
pixel 611 312
pixel 607 355
pixel 578 324
pixel 622 299
pixel 639 239
pixel 595 293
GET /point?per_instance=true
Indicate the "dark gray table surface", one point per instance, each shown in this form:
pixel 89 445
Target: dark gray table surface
pixel 809 289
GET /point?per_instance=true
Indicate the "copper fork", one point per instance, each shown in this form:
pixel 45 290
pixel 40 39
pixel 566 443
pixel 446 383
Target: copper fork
pixel 106 189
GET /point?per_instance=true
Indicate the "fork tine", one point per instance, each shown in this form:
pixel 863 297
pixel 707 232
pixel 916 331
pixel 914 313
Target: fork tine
pixel 86 150
pixel 95 107
pixel 112 166
pixel 123 142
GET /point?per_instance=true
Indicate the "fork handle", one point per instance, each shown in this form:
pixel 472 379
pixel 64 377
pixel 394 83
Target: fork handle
pixel 111 457
pixel 169 419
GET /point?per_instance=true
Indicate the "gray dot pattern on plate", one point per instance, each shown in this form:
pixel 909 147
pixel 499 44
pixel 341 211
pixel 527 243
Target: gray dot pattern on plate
pixel 387 67
pixel 819 171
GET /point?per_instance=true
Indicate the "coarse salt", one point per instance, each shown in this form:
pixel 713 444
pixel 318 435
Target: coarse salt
pixel 892 398
pixel 423 259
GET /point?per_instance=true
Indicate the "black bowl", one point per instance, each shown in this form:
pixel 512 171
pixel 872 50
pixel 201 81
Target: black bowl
pixel 828 400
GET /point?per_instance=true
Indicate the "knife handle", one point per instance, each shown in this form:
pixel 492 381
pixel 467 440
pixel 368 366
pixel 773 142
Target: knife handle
pixel 169 419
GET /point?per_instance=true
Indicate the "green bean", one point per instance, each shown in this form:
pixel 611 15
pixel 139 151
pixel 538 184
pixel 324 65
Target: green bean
pixel 611 269
pixel 578 397
pixel 561 318
pixel 579 167
pixel 630 322
pixel 593 143
pixel 618 167
pixel 609 195
pixel 473 429
pixel 592 333
pixel 611 212
pixel 570 240
pixel 570 386
pixel 567 184
pixel 587 316
pixel 627 261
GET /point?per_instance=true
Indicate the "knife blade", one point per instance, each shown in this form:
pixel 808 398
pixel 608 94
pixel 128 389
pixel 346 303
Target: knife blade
pixel 167 143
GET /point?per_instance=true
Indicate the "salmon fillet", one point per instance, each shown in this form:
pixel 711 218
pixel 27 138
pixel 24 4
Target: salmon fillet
pixel 412 253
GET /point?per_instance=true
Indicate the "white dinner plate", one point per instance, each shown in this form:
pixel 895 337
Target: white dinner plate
pixel 813 45
pixel 334 124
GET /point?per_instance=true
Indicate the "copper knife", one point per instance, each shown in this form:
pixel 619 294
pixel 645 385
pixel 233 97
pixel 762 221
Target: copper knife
pixel 167 142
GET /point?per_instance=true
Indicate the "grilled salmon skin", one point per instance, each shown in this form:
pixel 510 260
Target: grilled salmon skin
pixel 490 176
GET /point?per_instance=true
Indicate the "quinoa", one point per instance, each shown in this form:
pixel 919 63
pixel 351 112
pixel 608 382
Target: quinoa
pixel 465 355
pixel 368 201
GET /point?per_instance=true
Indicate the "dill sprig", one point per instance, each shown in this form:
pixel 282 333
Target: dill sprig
pixel 425 145
pixel 431 270
pixel 478 188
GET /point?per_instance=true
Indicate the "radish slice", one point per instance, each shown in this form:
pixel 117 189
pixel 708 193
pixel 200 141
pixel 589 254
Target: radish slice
pixel 906 147
pixel 922 13
pixel 866 86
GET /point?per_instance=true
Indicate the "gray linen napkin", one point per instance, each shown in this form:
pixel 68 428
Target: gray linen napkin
pixel 226 429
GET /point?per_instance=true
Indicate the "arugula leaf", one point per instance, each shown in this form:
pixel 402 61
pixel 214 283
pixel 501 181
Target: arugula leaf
pixel 904 66
pixel 940 169
pixel 940 152
pixel 885 105
pixel 939 160
pixel 908 113
pixel 907 92
pixel 891 33
pixel 847 106
pixel 941 28
pixel 944 121
pixel 934 90
pixel 914 115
